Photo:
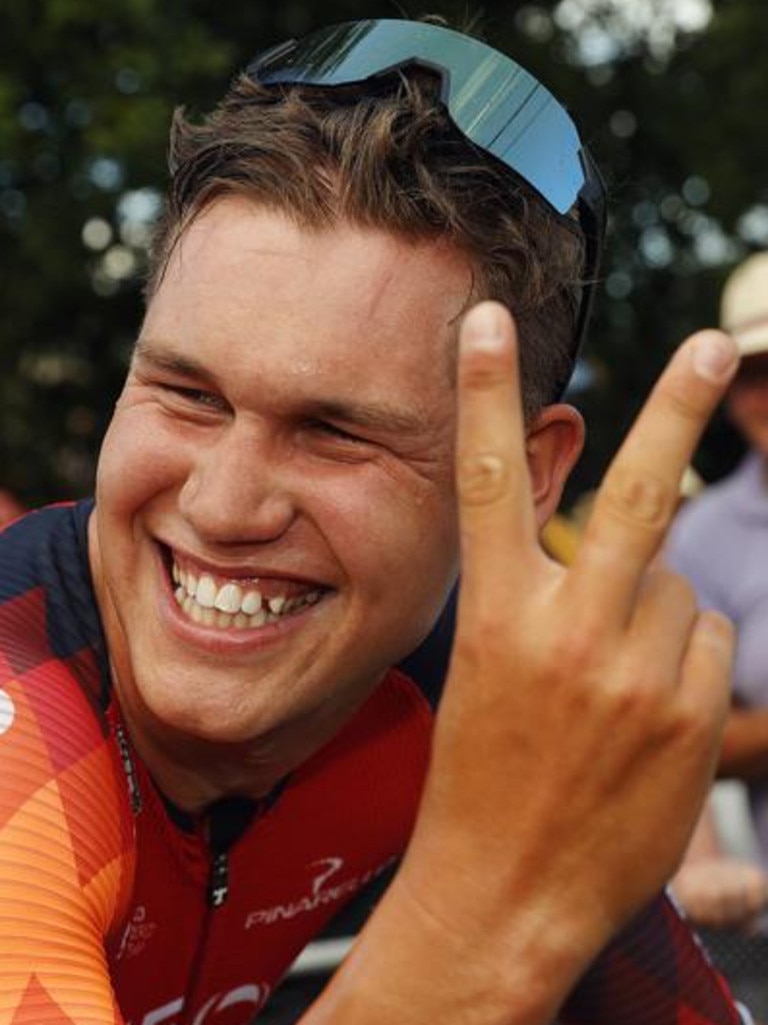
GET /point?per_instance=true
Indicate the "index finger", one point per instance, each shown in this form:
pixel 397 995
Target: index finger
pixel 495 505
pixel 640 493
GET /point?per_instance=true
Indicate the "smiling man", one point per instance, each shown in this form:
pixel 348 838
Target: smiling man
pixel 217 707
pixel 250 357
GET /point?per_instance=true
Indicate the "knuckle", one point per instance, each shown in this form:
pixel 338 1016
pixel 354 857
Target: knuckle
pixel 574 652
pixel 635 701
pixel 579 642
pixel 691 726
pixel 684 403
pixel 642 692
pixel 482 477
pixel 574 666
pixel 638 498
pixel 482 371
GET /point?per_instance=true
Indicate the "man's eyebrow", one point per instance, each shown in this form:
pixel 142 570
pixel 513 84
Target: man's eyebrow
pixel 163 358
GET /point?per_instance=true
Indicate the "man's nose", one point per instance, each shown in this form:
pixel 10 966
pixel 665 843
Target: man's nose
pixel 238 490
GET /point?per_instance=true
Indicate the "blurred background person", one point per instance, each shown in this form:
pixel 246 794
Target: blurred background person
pixel 720 541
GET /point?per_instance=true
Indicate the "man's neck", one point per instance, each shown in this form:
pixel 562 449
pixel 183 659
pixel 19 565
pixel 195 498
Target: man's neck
pixel 195 775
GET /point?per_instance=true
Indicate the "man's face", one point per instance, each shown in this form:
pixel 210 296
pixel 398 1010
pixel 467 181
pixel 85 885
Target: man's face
pixel 276 516
pixel 747 401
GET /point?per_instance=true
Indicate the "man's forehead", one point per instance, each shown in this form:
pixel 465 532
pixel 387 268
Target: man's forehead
pixel 233 227
pixel 345 299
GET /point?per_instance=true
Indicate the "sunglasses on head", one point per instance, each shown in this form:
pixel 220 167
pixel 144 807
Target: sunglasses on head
pixel 494 102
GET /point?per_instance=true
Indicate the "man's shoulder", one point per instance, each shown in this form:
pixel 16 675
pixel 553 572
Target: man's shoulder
pixel 39 541
pixel 49 623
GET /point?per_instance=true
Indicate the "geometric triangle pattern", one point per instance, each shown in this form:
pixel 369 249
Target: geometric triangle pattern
pixel 65 864
pixel 37 1005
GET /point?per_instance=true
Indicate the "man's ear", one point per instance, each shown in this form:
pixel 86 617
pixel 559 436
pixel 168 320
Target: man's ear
pixel 553 444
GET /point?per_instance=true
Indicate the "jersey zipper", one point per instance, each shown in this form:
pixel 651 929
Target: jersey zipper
pixel 217 891
pixel 124 748
pixel 218 880
pixel 226 822
pixel 223 827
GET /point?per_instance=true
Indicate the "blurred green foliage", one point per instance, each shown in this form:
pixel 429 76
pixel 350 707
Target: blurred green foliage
pixel 675 112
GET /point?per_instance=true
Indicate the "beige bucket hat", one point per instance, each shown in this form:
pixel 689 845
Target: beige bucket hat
pixel 744 305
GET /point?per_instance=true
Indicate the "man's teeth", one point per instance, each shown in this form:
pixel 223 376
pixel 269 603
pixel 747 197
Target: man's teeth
pixel 231 605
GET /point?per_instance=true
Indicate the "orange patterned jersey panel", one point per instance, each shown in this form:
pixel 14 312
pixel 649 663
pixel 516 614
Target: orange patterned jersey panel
pixel 66 844
pixel 66 856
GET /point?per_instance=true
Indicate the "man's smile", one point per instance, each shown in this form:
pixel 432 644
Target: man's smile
pixel 236 602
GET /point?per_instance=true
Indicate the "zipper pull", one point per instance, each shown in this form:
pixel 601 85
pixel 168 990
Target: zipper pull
pixel 218 889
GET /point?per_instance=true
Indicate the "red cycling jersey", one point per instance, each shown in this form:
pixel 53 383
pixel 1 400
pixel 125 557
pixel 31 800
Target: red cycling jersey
pixel 114 908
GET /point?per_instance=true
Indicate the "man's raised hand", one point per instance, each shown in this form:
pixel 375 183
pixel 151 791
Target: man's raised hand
pixel 578 731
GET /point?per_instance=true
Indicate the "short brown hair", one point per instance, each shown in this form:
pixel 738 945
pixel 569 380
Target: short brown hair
pixel 388 158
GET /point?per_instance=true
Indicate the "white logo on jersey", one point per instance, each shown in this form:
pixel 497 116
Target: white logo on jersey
pixel 7 712
pixel 137 934
pixel 253 995
pixel 320 892
pixel 333 866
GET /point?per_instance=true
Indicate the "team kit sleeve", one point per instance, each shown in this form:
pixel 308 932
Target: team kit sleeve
pixel 655 972
pixel 65 854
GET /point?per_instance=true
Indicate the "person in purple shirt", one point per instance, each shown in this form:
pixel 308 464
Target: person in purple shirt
pixel 720 542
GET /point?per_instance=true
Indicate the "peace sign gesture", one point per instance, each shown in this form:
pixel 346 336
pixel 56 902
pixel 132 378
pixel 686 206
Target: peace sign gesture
pixel 578 732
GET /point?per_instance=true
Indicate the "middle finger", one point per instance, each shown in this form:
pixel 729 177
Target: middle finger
pixel 639 495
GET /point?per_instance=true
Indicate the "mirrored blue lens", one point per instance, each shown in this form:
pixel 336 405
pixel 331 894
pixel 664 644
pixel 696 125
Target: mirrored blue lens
pixel 497 104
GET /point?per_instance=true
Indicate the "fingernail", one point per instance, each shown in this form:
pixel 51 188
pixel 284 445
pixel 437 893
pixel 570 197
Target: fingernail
pixel 714 356
pixel 484 328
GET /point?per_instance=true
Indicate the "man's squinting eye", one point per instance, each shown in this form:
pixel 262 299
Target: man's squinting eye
pixel 196 396
pixel 331 430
